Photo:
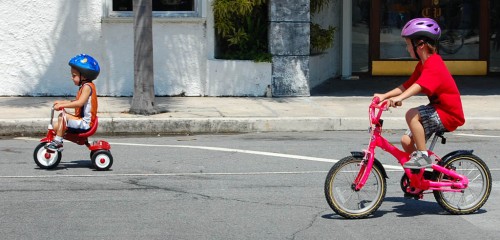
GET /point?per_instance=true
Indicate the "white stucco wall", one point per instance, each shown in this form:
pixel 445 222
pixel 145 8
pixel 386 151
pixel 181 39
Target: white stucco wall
pixel 39 37
pixel 238 78
pixel 179 56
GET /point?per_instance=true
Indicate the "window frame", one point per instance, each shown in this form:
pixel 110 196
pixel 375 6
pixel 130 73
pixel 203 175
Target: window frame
pixel 108 11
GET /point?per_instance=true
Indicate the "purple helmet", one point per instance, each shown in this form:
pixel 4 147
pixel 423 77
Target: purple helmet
pixel 421 27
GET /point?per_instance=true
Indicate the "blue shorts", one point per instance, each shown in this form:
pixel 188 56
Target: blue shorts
pixel 430 120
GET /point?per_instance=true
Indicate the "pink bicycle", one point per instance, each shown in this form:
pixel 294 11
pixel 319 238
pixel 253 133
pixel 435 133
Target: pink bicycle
pixel 356 185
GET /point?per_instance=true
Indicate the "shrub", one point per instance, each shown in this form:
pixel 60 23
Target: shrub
pixel 321 38
pixel 242 29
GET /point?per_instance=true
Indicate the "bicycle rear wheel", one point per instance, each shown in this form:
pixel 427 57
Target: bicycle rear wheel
pixel 477 192
pixel 340 193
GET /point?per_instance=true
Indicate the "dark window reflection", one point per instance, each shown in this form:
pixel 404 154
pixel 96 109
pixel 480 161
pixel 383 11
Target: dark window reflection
pixel 158 5
pixel 495 36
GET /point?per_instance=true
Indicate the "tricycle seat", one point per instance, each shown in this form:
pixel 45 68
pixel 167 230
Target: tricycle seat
pixel 81 138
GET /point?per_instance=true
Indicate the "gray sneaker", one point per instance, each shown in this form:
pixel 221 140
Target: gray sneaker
pixel 418 161
pixel 54 146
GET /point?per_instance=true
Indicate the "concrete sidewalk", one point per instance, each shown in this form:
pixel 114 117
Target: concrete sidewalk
pixel 28 116
pixel 335 105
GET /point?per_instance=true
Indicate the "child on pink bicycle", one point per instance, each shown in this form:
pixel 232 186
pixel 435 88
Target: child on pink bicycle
pixel 431 77
pixel 84 69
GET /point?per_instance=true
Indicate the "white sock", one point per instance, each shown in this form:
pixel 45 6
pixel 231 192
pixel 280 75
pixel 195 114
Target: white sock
pixel 424 153
pixel 58 139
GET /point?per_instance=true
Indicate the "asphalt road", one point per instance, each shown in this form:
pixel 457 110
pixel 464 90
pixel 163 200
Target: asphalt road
pixel 248 186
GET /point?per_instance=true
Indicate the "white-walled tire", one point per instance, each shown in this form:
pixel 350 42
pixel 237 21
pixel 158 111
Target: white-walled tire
pixel 102 160
pixel 46 159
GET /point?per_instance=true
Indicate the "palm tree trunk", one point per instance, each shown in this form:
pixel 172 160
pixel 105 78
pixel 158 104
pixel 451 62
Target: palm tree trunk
pixel 143 100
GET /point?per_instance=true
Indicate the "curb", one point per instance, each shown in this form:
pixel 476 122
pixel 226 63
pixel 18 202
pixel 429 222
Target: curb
pixel 112 126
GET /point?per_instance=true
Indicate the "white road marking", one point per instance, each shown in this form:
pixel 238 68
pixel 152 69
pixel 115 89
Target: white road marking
pixel 162 174
pixel 476 135
pixel 233 150
pixel 271 154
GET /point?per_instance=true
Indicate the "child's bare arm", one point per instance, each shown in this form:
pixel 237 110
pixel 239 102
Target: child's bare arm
pixel 61 102
pixel 394 92
pixel 78 103
pixel 411 91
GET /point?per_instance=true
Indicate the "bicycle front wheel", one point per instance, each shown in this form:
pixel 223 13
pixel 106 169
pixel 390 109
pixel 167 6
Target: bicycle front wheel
pixel 477 192
pixel 340 193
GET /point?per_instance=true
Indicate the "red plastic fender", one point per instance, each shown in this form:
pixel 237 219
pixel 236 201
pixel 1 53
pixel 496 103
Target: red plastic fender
pixel 100 145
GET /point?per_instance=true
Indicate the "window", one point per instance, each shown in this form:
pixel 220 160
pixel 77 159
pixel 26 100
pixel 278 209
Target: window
pixel 161 8
pixel 458 19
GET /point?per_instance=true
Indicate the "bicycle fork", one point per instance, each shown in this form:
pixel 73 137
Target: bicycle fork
pixel 364 171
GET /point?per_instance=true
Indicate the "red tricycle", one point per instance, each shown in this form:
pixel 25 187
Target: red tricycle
pixel 100 154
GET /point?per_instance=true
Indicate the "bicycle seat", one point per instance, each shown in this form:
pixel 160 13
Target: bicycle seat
pixel 440 133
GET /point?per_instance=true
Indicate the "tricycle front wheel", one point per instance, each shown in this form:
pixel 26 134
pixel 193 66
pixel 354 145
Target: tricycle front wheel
pixel 46 159
pixel 344 199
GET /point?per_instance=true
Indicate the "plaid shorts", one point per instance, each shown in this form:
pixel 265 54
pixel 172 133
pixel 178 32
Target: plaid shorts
pixel 430 120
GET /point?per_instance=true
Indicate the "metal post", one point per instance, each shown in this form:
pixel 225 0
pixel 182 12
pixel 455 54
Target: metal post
pixel 346 39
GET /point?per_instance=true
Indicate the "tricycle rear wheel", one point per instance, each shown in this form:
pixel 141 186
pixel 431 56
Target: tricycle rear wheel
pixel 102 160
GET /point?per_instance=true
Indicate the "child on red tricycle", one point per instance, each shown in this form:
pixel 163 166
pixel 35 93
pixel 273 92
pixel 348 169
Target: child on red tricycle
pixel 79 126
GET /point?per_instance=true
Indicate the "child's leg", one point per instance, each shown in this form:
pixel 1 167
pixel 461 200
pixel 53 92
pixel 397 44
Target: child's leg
pixel 60 126
pixel 417 129
pixel 419 157
pixel 407 143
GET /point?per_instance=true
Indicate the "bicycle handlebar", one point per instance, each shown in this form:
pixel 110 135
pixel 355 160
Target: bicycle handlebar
pixel 375 115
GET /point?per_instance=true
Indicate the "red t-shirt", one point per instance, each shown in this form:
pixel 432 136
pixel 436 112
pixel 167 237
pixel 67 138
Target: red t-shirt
pixel 441 89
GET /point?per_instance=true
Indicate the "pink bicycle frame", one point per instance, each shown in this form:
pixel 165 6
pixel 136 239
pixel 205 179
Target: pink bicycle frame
pixel 455 182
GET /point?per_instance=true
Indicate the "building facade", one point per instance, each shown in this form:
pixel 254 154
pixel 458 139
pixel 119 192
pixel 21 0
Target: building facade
pixel 39 37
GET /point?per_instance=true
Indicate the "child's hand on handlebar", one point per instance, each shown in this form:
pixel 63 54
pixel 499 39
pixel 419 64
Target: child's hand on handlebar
pixel 394 102
pixel 379 96
pixel 57 106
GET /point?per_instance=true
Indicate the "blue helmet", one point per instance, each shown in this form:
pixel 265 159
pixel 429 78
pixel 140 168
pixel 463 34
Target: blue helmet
pixel 86 65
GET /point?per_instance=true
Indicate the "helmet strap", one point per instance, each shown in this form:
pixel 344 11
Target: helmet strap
pixel 415 46
pixel 81 80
